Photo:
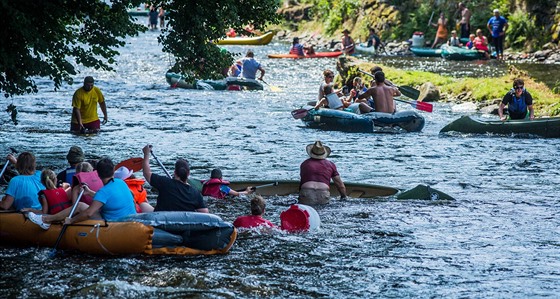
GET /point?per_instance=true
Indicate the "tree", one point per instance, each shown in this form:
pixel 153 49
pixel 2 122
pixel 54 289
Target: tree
pixel 49 38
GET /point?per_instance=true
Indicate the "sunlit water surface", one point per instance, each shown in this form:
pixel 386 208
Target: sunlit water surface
pixel 500 238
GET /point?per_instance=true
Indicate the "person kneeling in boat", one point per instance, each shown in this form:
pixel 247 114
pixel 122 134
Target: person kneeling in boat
pixel 23 188
pixel 136 186
pixel 112 202
pixel 218 188
pixel 250 66
pixel 382 94
pixel 53 199
pixel 299 49
pixel 519 102
pixel 175 194
pixel 316 174
pixel 255 219
pixel 353 103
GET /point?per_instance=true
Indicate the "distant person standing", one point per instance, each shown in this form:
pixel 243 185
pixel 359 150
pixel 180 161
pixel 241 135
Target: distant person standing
pixel 441 34
pixel 519 102
pixel 465 20
pixel 161 16
pixel 153 15
pixel 316 174
pixel 498 26
pixel 348 45
pixel 84 108
pixel 250 66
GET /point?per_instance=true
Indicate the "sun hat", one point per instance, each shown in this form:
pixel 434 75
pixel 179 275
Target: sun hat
pixel 75 155
pixel 345 31
pixel 496 10
pixel 318 151
pixel 123 173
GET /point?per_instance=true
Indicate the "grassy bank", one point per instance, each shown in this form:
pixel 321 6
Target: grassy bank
pixel 488 90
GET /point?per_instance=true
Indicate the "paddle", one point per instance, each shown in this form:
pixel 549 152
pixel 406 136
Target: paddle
pixel 418 105
pixel 300 113
pixel 7 162
pixel 406 90
pixel 65 226
pixel 134 164
pixel 272 87
pixel 175 84
pixel 160 164
pixel 260 186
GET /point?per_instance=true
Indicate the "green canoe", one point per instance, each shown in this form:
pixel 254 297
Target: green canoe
pixel 283 188
pixel 176 80
pixel 458 53
pixel 426 52
pixel 543 127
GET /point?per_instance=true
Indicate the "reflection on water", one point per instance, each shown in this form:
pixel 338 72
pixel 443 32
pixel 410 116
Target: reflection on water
pixel 498 239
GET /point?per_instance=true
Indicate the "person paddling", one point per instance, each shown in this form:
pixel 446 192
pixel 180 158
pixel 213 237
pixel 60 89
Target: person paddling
pixel 218 188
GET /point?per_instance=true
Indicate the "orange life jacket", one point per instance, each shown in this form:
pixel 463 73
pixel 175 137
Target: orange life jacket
pixel 140 194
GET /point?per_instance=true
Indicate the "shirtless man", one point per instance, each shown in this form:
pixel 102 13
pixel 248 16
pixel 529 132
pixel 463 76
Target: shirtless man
pixel 382 94
pixel 465 20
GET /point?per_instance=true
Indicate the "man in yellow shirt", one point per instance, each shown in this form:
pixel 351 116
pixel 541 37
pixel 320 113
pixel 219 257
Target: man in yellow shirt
pixel 84 112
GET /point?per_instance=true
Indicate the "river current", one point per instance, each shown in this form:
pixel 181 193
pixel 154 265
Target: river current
pixel 500 238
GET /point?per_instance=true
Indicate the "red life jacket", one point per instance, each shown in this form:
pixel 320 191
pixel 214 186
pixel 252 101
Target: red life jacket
pixel 211 187
pixel 57 199
pixel 92 180
pixel 140 194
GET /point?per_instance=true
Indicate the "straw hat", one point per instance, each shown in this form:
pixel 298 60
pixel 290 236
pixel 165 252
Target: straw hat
pixel 318 151
pixel 123 173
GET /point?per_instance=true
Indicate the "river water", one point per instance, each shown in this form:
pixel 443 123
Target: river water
pixel 499 238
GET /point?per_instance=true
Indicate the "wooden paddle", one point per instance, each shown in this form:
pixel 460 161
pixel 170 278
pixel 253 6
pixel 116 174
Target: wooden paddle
pixel 260 186
pixel 175 85
pixel 272 87
pixel 65 226
pixel 134 164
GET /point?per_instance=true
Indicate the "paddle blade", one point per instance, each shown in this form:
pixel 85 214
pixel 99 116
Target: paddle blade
pixel 135 164
pixel 275 88
pixel 423 106
pixel 410 92
pixel 300 113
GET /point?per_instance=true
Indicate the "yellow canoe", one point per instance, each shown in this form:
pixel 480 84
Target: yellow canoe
pixel 257 40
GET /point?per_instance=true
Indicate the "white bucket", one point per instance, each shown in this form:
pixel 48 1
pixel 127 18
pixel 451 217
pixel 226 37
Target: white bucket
pixel 418 39
pixel 299 218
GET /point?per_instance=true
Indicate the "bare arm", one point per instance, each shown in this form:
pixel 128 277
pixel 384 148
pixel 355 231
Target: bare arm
pixel 104 110
pixel 368 93
pixel 87 214
pixel 340 186
pixel 146 163
pixel 531 112
pixel 7 202
pixel 262 73
pixel 501 111
pixel 78 116
pixel 203 210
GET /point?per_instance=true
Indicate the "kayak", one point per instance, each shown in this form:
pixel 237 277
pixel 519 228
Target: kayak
pixel 457 53
pixel 316 55
pixel 176 80
pixel 542 127
pixel 363 48
pixel 426 52
pixel 284 188
pixel 178 233
pixel 264 39
pixel 373 122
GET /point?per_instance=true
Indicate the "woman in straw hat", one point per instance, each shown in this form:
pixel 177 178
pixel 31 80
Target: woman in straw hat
pixel 316 174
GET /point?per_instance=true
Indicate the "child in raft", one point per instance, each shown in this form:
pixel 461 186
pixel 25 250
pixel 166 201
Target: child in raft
pixel 218 188
pixel 136 186
pixel 53 199
pixel 255 219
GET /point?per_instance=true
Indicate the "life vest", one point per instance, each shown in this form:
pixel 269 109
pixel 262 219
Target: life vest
pixel 92 180
pixel 57 199
pixel 297 49
pixel 211 187
pixel 517 105
pixel 139 194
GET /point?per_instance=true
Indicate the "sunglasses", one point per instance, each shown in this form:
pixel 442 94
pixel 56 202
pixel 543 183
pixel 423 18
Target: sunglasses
pixel 329 77
pixel 518 87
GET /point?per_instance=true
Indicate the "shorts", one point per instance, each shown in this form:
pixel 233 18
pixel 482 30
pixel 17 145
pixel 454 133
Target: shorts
pixel 91 127
pixel 313 197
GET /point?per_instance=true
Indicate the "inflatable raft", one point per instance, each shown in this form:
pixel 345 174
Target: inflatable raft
pixel 426 52
pixel 373 122
pixel 264 39
pixel 363 48
pixel 542 127
pixel 458 53
pixel 176 80
pixel 316 55
pixel 180 233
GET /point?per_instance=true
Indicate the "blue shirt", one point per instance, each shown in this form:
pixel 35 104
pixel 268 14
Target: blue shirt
pixel 250 67
pixel 497 25
pixel 24 189
pixel 116 199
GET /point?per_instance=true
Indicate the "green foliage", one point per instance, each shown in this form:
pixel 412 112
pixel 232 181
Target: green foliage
pixel 522 29
pixel 194 24
pixel 334 13
pixel 39 38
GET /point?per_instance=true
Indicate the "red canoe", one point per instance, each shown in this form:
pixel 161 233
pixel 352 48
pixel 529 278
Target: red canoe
pixel 316 55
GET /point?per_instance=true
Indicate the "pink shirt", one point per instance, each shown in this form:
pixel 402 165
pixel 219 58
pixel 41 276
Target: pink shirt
pixel 314 170
pixel 250 221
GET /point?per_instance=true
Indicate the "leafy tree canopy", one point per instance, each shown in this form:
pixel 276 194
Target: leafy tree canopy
pixel 45 38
